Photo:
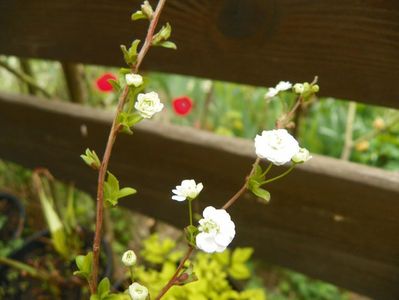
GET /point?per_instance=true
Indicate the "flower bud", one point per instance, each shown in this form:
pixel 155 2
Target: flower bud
pixel 134 79
pixel 138 291
pixel 298 88
pixel 302 156
pixel 129 258
pixel 147 9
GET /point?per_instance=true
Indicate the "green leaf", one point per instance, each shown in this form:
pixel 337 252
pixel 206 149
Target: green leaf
pixel 239 271
pixel 138 15
pixel 112 192
pixel 84 264
pixel 127 191
pixel 242 255
pixel 261 193
pixel 90 158
pixel 126 55
pixel 103 288
pixel 191 233
pixel 168 44
pixel 162 35
pixel 115 85
pixel 128 120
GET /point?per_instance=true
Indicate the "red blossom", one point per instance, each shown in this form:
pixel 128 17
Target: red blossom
pixel 182 105
pixel 103 84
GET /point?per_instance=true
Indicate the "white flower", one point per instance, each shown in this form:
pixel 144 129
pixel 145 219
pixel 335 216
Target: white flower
pixel 283 86
pixel 138 291
pixel 277 146
pixel 271 93
pixel 188 189
pixel 134 79
pixel 148 104
pixel 129 258
pixel 302 156
pixel 280 87
pixel 217 230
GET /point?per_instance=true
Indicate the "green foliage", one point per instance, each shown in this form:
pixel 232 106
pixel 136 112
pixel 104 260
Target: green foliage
pixel 191 232
pixel 91 159
pixel 156 251
pixel 128 120
pixel 112 191
pixel 298 286
pixel 214 272
pixel 130 55
pixel 84 264
pixel 161 38
pixel 255 182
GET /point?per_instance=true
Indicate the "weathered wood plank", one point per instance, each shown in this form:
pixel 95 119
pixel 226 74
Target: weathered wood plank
pixel 352 45
pixel 331 219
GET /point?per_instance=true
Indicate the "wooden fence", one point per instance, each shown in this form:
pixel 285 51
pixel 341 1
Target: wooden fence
pixel 331 219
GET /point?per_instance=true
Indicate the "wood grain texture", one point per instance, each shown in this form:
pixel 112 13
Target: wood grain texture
pixel 353 45
pixel 330 219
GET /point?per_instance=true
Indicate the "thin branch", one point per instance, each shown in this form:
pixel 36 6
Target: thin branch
pixel 243 188
pixel 171 282
pixel 108 149
pixel 24 77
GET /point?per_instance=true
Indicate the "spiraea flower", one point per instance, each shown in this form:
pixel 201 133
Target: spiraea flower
pixel 277 146
pixel 129 258
pixel 138 291
pixel 134 79
pixel 148 104
pixel 188 189
pixel 302 156
pixel 216 230
pixel 280 87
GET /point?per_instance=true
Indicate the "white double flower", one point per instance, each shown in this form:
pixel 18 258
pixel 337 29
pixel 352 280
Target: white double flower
pixel 216 230
pixel 188 189
pixel 148 104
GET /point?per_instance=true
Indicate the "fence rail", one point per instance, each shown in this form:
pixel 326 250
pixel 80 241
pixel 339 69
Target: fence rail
pixel 335 220
pixel 352 45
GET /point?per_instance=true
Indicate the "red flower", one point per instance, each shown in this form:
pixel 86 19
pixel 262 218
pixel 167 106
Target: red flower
pixel 182 105
pixel 103 84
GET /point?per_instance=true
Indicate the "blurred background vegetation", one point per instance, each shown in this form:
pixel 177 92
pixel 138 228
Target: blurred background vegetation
pixel 357 132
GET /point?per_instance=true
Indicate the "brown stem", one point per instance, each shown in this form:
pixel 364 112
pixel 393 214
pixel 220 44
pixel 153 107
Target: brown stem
pixel 108 149
pixel 243 188
pixel 171 282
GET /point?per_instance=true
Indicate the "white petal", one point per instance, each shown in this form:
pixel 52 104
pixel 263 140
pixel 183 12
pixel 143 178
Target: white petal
pixel 206 242
pixel 178 198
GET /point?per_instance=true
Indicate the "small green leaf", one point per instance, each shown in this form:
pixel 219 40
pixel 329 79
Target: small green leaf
pixel 126 55
pixel 168 44
pixel 239 271
pixel 138 15
pixel 261 193
pixel 162 35
pixel 191 233
pixel 242 255
pixel 84 264
pixel 103 288
pixel 127 191
pixel 115 85
pixel 112 192
pixel 90 158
